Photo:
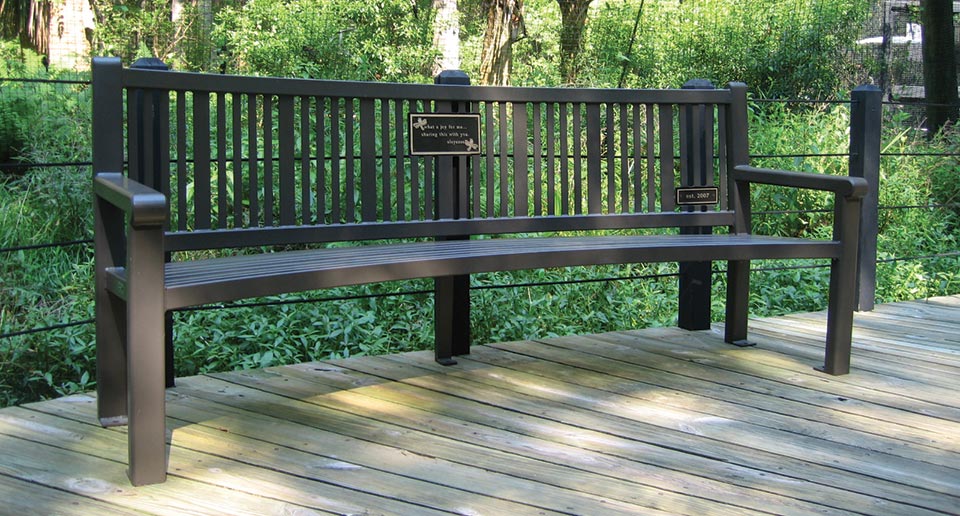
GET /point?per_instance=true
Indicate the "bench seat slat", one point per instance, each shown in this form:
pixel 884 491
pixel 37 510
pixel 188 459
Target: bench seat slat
pixel 225 279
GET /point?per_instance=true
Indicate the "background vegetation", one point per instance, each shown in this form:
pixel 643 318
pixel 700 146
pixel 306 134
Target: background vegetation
pixel 784 49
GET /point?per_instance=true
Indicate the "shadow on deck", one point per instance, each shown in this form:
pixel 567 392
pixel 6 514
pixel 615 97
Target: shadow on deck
pixel 637 422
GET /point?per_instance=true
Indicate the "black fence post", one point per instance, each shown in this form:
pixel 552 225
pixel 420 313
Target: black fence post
pixel 866 110
pixel 451 293
pixel 696 133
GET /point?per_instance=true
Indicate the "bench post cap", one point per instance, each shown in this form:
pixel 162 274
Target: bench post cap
pixel 867 87
pixel 698 84
pixel 453 77
pixel 149 63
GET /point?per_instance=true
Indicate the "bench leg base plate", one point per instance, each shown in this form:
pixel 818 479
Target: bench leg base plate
pixel 839 372
pixel 743 343
pixel 446 361
pixel 108 422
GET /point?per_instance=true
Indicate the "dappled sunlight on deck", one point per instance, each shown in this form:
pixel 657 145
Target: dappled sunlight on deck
pixel 657 421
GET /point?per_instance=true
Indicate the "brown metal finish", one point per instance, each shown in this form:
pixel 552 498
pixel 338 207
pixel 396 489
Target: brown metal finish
pixel 572 176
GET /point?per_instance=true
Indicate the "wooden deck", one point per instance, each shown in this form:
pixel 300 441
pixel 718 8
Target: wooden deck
pixel 658 421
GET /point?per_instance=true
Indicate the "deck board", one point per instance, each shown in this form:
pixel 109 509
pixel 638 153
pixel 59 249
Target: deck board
pixel 655 421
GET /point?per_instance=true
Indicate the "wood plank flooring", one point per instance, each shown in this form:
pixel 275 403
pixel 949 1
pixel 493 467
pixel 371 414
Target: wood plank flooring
pixel 657 421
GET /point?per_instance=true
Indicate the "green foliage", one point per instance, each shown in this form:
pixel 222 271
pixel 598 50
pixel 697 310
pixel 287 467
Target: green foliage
pixel 781 48
pixel 552 307
pixel 367 320
pixel 944 170
pixel 47 286
pixel 388 40
pixel 820 131
pixel 131 29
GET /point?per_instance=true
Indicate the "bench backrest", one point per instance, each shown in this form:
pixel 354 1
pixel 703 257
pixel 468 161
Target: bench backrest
pixel 264 161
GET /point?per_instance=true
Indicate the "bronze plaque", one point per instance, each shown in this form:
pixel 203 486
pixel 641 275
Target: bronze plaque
pixel 444 134
pixel 698 195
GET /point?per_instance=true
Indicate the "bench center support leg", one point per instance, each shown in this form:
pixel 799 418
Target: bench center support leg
pixel 452 316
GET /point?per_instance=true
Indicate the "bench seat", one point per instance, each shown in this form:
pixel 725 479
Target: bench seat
pixel 216 280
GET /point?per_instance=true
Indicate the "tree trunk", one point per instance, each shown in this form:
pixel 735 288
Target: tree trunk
pixel 939 63
pixel 70 34
pixel 504 26
pixel 573 21
pixel 446 35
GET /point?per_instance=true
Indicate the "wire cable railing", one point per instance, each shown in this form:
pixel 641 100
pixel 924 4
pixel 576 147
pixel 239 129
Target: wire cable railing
pixel 22 166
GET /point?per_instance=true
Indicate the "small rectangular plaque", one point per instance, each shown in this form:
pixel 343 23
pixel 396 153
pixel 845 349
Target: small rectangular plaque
pixel 698 195
pixel 444 134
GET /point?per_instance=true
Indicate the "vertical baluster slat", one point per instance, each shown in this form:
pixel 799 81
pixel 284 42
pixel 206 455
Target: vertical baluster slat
pixel 504 152
pixel 181 161
pixel 201 160
pixel 253 160
pixel 521 171
pixel 707 154
pixel 237 148
pixel 489 130
pixel 537 161
pixel 321 139
pixel 551 159
pixel 564 161
pixel 595 192
pixel 305 158
pixel 368 160
pixel 611 154
pixel 667 201
pixel 386 195
pixel 223 199
pixel 415 213
pixel 335 153
pixel 651 158
pixel 722 155
pixel 638 172
pixel 625 128
pixel 268 197
pixel 577 133
pixel 133 137
pixel 400 123
pixel 350 178
pixel 429 205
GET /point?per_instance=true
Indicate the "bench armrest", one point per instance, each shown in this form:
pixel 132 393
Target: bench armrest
pixel 144 206
pixel 849 192
pixel 849 187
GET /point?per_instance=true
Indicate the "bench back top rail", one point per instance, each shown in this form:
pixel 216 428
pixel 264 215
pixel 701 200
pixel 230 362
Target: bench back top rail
pixel 264 161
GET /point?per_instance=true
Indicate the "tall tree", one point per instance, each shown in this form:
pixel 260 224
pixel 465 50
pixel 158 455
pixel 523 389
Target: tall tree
pixel 504 28
pixel 573 22
pixel 446 35
pixel 939 63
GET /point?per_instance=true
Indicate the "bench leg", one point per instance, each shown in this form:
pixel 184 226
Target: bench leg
pixel 111 328
pixel 169 351
pixel 146 362
pixel 694 298
pixel 452 317
pixel 146 437
pixel 738 303
pixel 842 303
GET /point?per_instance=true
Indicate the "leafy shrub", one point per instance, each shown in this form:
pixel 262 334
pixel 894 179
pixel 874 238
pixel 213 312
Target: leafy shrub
pixel 750 41
pixel 780 48
pixel 340 39
pixel 131 29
